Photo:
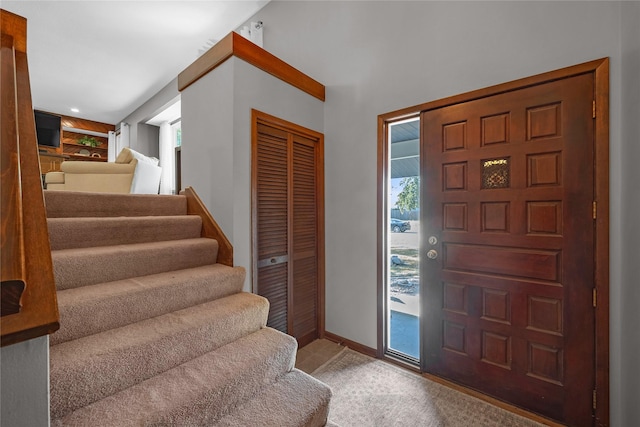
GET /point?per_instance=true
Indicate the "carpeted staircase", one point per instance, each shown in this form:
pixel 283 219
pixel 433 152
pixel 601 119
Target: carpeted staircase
pixel 154 332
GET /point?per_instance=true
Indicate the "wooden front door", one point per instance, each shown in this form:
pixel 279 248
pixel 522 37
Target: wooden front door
pixel 508 234
pixel 288 225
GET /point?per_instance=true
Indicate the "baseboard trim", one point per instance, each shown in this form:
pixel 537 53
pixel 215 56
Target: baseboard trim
pixel 360 348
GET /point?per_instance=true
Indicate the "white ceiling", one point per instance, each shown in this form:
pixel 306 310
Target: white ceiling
pixel 107 58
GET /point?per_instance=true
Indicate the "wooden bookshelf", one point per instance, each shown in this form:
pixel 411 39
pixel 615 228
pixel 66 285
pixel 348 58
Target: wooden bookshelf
pixel 72 129
pixel 85 152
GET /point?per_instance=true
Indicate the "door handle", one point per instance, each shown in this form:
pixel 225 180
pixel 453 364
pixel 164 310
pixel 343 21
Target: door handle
pixel 432 254
pixel 273 261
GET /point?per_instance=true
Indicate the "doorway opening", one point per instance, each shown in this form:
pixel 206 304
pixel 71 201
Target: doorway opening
pixel 514 229
pixel 169 124
pixel 403 240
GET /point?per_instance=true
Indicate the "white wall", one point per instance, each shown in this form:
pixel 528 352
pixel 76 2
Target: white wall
pixel 143 137
pixel 376 57
pixel 24 388
pixel 630 182
pixel 207 143
pixel 216 135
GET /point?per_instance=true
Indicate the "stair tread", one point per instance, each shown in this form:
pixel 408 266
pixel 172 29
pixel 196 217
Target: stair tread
pixel 88 266
pixel 199 391
pixel 88 369
pixel 296 399
pixel 83 204
pixel 68 233
pixel 92 309
pixel 154 332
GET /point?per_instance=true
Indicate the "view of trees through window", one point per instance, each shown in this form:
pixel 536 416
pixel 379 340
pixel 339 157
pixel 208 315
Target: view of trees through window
pixel 409 196
pixel 403 286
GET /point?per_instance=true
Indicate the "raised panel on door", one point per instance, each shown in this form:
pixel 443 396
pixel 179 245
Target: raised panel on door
pixel 272 223
pixel 508 191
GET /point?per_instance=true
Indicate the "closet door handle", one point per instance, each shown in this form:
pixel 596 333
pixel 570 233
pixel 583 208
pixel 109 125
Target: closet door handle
pixel 273 261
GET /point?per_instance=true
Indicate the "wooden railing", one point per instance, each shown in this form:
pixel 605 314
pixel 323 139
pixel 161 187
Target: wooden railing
pixel 29 305
pixel 210 227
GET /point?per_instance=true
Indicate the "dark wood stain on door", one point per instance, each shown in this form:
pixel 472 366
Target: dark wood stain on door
pixel 517 298
pixel 509 189
pixel 287 188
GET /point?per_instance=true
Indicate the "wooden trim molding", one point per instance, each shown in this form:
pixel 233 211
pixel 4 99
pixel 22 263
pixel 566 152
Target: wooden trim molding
pixel 261 118
pixel 27 281
pixel 587 67
pixel 381 241
pixel 15 26
pixel 356 346
pixel 382 266
pixel 236 45
pixel 601 194
pixel 13 268
pixel 210 227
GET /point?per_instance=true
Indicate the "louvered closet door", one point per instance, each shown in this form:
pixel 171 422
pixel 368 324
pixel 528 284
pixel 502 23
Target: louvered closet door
pixel 272 218
pixel 288 227
pixel 305 242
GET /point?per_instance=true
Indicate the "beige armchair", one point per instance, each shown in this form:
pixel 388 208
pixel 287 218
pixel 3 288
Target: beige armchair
pixel 132 172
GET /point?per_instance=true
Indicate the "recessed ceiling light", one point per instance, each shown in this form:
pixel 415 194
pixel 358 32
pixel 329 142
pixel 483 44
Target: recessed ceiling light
pixel 75 110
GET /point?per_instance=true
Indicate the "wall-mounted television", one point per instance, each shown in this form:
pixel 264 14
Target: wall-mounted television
pixel 47 128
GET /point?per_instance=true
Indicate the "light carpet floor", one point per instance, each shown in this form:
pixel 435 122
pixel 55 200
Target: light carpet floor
pixel 370 392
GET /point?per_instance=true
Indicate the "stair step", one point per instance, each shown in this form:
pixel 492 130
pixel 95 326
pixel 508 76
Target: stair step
pixel 154 332
pixel 197 392
pixel 73 268
pixel 80 204
pixel 89 369
pixel 296 399
pixel 69 233
pixel 92 309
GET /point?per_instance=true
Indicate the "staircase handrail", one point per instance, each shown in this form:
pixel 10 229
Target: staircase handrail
pixel 29 304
